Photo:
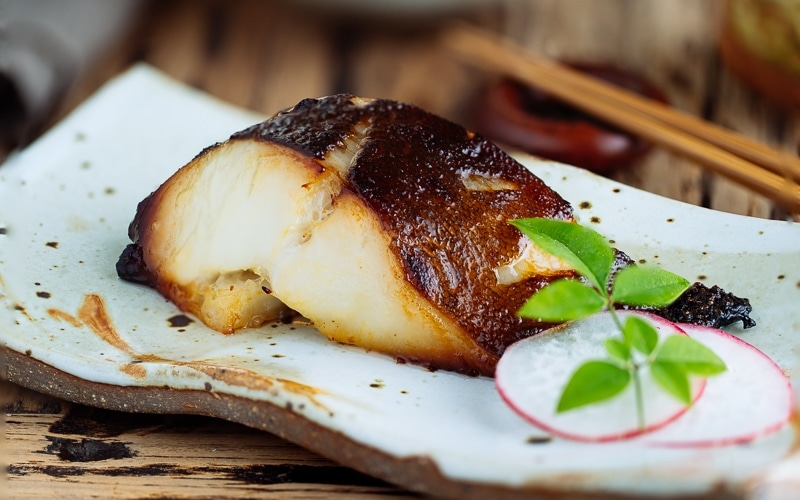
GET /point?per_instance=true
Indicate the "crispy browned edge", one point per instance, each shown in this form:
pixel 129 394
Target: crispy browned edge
pixel 417 473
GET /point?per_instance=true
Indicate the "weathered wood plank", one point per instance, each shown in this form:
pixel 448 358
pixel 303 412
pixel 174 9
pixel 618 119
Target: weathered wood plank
pixel 121 455
pixel 266 56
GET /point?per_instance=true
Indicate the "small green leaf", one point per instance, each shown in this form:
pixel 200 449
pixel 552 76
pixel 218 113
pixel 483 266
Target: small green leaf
pixel 640 334
pixel 647 286
pixel 590 255
pixel 562 300
pixel 672 379
pixel 618 349
pixel 593 382
pixel 582 248
pixel 692 356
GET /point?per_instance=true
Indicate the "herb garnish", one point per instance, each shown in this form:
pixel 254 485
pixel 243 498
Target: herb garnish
pixel 671 362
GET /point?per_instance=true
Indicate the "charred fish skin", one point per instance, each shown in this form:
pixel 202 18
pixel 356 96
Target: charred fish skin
pixel 424 265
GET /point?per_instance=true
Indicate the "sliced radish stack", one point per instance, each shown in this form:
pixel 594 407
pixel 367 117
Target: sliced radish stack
pixel 751 399
pixel 532 373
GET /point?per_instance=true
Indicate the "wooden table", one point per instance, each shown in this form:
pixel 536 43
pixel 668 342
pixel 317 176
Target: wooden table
pixel 268 55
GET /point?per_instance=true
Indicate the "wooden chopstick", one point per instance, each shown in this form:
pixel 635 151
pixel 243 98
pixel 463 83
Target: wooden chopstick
pixel 771 173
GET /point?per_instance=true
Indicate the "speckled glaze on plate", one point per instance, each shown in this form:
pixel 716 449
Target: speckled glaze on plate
pixel 71 328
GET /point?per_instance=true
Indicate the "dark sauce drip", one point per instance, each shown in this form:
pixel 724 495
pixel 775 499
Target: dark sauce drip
pixel 713 307
pixel 179 321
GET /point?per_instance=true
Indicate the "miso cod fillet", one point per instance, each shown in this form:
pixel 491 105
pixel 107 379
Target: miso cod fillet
pixel 384 225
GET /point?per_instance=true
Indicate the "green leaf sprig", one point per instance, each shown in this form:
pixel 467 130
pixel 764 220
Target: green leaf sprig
pixel 671 362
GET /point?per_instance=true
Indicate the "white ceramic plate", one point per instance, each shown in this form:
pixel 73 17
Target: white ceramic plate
pixel 70 327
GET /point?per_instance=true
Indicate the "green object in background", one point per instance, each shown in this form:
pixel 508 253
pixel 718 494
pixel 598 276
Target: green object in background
pixel 770 29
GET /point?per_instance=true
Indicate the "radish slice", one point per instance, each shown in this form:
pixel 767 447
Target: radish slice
pixel 533 372
pixel 751 399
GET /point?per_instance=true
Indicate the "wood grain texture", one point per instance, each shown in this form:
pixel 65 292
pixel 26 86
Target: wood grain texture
pixel 119 455
pixel 268 55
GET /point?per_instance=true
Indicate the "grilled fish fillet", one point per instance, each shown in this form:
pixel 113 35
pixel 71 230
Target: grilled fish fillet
pixel 384 225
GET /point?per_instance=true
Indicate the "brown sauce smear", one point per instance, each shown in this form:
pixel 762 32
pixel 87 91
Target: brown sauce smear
pixel 60 315
pixel 94 315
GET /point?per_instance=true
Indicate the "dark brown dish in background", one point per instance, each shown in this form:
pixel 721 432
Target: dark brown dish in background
pixel 522 117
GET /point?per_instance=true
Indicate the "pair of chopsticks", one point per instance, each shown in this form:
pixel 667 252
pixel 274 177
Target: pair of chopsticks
pixel 771 173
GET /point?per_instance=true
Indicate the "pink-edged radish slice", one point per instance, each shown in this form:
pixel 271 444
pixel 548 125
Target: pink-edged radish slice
pixel 751 399
pixel 533 372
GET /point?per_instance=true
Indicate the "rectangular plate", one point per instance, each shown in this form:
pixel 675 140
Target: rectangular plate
pixel 70 327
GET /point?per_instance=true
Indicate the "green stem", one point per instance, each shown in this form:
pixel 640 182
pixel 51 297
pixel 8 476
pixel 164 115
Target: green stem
pixel 637 385
pixel 637 381
pixel 614 316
